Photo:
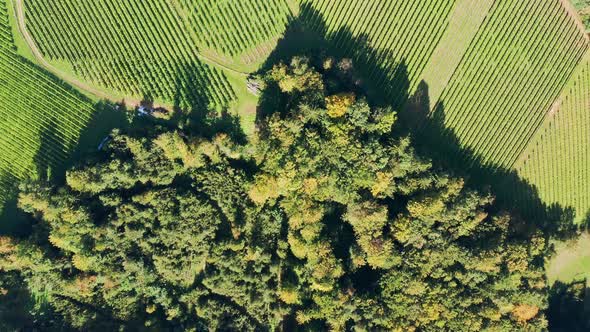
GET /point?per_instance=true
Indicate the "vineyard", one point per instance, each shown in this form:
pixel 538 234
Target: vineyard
pixel 493 69
pixel 520 56
pixel 40 119
pixel 513 71
pixel 400 35
pixel 237 28
pixel 133 48
pixel 557 159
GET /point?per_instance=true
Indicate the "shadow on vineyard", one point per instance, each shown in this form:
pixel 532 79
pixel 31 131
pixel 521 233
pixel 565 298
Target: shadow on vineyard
pixel 387 84
pixel 12 220
pixel 106 118
pixel 192 110
pixel 189 91
pixel 513 193
pixel 51 146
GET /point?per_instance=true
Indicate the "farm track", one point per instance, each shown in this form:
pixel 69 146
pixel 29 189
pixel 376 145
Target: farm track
pixel 42 117
pixel 203 57
pixel 130 101
pixel 20 17
pixel 569 7
pixel 465 21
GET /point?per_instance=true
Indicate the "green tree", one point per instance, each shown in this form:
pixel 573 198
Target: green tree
pixel 160 232
pixel 381 239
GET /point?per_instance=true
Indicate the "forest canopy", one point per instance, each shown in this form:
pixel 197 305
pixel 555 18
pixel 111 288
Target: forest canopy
pixel 327 219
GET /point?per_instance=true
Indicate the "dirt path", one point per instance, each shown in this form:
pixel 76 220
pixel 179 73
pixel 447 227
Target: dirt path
pixel 130 101
pixel 20 17
pixel 569 7
pixel 212 61
pixel 205 58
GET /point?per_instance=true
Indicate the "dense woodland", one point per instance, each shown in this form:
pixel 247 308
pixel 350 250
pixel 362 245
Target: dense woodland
pixel 326 219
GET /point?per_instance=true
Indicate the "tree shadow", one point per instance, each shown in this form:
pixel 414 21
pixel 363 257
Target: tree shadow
pixel 305 35
pixel 50 166
pixel 193 109
pixel 189 94
pixel 308 35
pixel 12 220
pixel 107 116
pixel 194 112
pixel 147 101
pixel 585 223
pixel 512 192
pixel 569 307
pixel 386 83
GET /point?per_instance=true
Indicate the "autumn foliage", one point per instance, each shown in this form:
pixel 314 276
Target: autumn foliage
pixel 327 220
pixel 337 105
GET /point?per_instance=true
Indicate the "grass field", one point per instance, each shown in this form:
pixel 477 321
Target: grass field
pixel 557 159
pixel 40 118
pixel 571 262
